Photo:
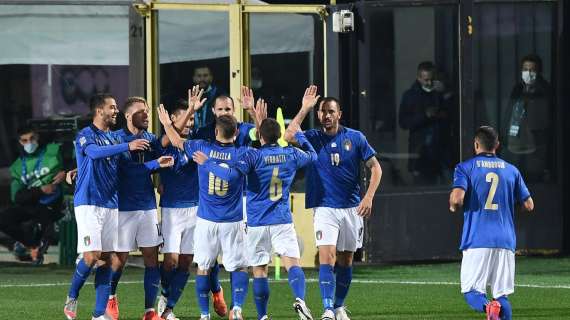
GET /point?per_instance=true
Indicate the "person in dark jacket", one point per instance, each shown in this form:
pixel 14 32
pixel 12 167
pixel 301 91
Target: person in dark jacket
pixel 204 78
pixel 424 113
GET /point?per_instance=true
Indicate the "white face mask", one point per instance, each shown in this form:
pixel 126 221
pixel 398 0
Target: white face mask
pixel 528 77
pixel 30 147
pixel 427 89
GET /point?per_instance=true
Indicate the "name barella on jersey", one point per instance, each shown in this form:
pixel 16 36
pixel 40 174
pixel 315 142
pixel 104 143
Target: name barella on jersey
pixel 243 138
pixel 180 182
pixel 98 155
pixel 492 187
pixel 136 191
pixel 220 200
pixel 334 179
pixel 270 172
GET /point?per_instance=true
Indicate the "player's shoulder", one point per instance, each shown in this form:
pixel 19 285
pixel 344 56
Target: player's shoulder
pixel 150 136
pixel 87 131
pixel 312 133
pixel 353 133
pixel 245 125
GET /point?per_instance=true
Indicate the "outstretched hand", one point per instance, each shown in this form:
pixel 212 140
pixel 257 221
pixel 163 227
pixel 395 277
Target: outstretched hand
pixel 163 116
pixel 310 97
pixel 260 111
pixel 247 98
pixel 199 157
pixel 139 145
pixel 195 100
pixel 165 161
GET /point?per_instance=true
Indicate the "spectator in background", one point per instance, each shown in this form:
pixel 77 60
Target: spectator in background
pixel 529 122
pixel 424 113
pixel 204 78
pixel 36 195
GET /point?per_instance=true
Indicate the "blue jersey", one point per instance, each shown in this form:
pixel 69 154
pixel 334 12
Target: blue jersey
pixel 243 139
pixel 98 155
pixel 334 179
pixel 492 187
pixel 270 172
pixel 136 191
pixel 180 182
pixel 220 200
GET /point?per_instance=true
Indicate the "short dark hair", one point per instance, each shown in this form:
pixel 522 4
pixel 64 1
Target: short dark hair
pixel 487 136
pixel 131 101
pixel 202 66
pixel 24 129
pixel 328 100
pixel 534 58
pixel 227 125
pixel 179 106
pixel 222 97
pixel 97 101
pixel 426 66
pixel 270 130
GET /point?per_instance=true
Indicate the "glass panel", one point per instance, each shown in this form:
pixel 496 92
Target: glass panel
pixel 54 57
pixel 414 111
pixel 193 49
pixel 510 39
pixel 293 41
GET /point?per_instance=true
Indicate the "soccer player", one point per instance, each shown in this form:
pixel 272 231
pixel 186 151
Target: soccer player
pixel 138 218
pixel 270 172
pixel 179 203
pixel 333 191
pixel 219 226
pixel 488 188
pixel 98 151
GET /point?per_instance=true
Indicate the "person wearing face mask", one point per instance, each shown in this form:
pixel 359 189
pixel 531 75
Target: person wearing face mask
pixel 529 121
pixel 36 195
pixel 424 113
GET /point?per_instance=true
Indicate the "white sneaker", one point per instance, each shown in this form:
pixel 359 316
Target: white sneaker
pixel 161 305
pixel 302 310
pixel 103 317
pixel 340 313
pixel 235 314
pixel 168 315
pixel 265 317
pixel 205 317
pixel 70 309
pixel 328 315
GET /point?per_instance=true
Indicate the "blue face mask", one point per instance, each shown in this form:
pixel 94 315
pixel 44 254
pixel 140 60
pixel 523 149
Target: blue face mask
pixel 30 147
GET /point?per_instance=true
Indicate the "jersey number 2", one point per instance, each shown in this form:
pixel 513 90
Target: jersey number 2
pixel 493 178
pixel 275 186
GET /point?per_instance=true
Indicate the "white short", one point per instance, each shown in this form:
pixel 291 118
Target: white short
pixel 212 239
pixel 342 228
pixel 138 229
pixel 282 238
pixel 96 228
pixel 177 228
pixel 488 266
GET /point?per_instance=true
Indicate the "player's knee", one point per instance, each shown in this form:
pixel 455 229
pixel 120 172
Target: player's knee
pixel 90 258
pixel 344 259
pixel 184 263
pixel 327 257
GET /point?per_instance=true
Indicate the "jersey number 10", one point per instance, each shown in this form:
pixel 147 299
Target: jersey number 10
pixel 493 178
pixel 217 186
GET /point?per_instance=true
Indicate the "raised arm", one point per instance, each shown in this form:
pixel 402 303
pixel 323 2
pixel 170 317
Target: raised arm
pixel 172 134
pixel 310 98
pixel 307 153
pixel 365 207
pixel 195 103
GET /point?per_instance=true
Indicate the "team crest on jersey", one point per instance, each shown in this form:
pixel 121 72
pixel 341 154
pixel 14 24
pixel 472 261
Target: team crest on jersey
pixel 82 141
pixel 347 145
pixel 333 145
pixel 319 235
pixel 87 240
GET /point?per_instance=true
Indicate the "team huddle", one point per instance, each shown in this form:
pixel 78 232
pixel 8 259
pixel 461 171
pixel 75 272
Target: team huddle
pixel 213 181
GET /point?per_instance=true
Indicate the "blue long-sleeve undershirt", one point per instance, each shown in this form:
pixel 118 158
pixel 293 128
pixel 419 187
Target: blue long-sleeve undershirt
pixel 94 151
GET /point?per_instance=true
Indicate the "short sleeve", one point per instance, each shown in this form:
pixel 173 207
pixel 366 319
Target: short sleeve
pixel 460 178
pixel 521 190
pixel 83 140
pixel 364 148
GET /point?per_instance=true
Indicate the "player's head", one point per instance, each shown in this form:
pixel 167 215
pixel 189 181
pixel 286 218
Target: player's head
pixel 223 105
pixel 104 108
pixel 486 140
pixel 269 131
pixel 28 139
pixel 203 77
pixel 179 110
pixel 329 113
pixel 226 128
pixel 136 112
pixel 425 75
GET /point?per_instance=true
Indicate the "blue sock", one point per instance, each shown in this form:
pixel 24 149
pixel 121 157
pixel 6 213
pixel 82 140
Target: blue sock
pixel 151 285
pixel 240 283
pixel 215 278
pixel 177 287
pixel 166 279
pixel 203 293
pixel 506 309
pixel 327 285
pixel 476 300
pixel 115 277
pixel 261 296
pixel 297 282
pixel 80 275
pixel 343 279
pixel 102 290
